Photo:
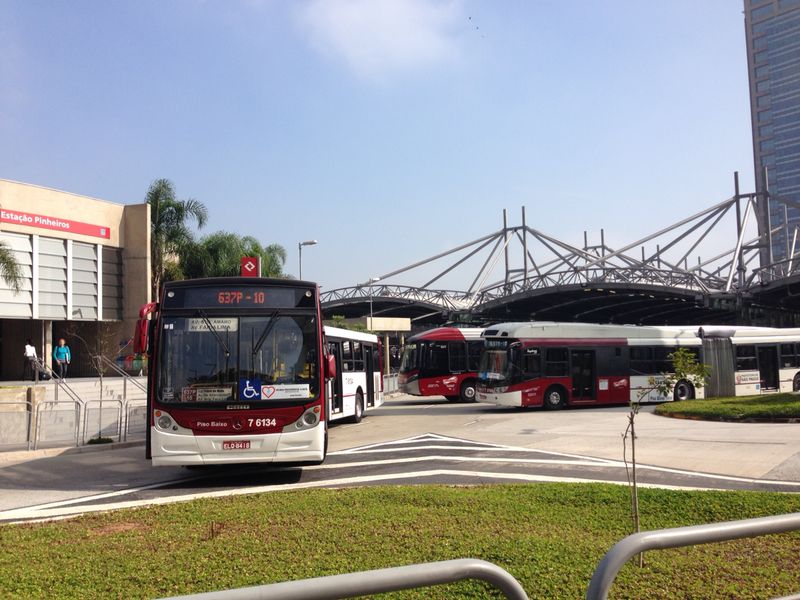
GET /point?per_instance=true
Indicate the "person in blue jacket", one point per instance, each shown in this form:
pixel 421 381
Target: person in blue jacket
pixel 61 356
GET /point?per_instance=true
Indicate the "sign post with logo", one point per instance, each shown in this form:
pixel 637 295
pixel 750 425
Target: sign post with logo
pixel 251 266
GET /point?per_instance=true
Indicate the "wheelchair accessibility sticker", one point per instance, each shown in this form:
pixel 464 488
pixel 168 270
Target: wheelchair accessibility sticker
pixel 249 389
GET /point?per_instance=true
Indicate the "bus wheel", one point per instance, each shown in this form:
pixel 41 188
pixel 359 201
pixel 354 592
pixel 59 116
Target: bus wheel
pixel 467 391
pixel 359 411
pixel 796 383
pixel 683 390
pixel 555 398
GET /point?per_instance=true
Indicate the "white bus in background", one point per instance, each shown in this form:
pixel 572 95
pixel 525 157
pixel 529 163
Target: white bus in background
pixel 358 385
pixel 558 364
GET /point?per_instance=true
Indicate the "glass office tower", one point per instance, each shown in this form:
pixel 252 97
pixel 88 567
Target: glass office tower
pixel 773 59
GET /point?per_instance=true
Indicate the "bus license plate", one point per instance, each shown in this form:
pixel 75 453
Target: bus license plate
pixel 237 445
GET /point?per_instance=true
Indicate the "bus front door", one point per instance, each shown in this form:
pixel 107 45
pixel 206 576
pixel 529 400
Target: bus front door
pixel 335 348
pixel 583 374
pixel 768 367
pixel 369 365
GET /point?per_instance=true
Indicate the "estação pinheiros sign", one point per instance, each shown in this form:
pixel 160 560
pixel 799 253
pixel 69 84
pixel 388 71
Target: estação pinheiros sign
pixel 58 224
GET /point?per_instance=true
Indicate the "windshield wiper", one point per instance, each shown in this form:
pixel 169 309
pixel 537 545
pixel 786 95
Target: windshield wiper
pixel 213 330
pixel 266 332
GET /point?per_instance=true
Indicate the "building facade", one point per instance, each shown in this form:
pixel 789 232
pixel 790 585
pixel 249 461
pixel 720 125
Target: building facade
pixel 85 274
pixel 773 56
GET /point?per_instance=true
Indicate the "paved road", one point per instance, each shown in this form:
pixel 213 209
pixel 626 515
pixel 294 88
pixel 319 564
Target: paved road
pixel 410 441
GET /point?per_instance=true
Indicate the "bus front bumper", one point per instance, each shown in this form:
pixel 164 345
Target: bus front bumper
pixel 501 399
pixel 298 446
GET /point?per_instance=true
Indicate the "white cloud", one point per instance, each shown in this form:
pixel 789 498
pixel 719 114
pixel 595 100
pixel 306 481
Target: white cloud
pixel 376 38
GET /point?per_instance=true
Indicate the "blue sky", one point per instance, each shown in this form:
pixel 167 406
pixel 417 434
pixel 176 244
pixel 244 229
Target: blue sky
pixel 388 130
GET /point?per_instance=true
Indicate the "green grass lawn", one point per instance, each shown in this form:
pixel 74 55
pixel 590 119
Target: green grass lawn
pixel 778 407
pixel 549 536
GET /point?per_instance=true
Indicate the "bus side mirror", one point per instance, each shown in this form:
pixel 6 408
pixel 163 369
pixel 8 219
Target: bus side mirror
pixel 330 366
pixel 140 337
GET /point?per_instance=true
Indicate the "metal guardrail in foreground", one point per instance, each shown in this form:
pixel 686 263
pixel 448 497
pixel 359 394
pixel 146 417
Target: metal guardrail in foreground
pixel 378 581
pixel 678 537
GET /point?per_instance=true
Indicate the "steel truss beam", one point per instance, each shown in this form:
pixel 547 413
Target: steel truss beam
pixel 548 263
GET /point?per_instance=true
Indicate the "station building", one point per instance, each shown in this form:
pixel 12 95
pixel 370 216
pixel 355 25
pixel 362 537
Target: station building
pixel 85 274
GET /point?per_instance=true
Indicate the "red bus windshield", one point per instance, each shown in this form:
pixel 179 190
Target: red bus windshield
pixel 207 359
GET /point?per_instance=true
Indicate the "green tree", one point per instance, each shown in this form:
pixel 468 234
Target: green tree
pixel 169 228
pixel 219 255
pixel 10 270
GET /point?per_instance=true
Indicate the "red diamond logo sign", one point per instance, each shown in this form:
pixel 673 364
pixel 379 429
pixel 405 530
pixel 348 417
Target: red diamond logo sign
pixel 251 266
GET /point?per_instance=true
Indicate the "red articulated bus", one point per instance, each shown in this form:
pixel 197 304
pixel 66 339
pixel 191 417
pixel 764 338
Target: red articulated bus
pixel 238 372
pixel 559 364
pixel 442 362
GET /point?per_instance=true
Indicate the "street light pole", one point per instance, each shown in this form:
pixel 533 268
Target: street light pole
pixel 300 254
pixel 371 281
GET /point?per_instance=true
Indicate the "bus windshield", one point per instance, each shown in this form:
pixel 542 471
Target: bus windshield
pixel 238 359
pixel 409 360
pixel 494 366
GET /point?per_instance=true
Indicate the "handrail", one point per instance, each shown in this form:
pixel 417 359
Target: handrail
pixel 113 366
pixel 377 581
pixel 677 537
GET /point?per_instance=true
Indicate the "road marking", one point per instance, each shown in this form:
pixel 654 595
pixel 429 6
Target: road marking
pixel 28 514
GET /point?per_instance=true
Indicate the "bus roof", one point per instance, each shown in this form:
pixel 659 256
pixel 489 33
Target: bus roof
pixel 451 334
pixel 639 334
pixel 349 334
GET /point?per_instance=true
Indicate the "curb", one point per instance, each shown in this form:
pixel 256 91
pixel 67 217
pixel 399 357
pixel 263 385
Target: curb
pixel 16 456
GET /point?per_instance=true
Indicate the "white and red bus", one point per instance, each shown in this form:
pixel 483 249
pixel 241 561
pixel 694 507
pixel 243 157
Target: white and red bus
pixel 442 362
pixel 559 364
pixel 358 385
pixel 237 372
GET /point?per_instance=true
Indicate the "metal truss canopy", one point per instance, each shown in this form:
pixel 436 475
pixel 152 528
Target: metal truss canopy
pixel 650 278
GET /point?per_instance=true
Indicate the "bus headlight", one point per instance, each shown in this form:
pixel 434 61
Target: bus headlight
pixel 164 421
pixel 307 420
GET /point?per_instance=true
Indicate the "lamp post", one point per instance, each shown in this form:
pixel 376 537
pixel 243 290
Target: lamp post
pixel 371 281
pixel 300 254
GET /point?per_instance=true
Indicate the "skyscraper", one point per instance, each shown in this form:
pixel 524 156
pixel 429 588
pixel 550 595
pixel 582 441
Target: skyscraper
pixel 773 59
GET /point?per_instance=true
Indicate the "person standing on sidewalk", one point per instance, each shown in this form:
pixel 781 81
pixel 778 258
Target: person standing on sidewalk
pixel 61 356
pixel 29 368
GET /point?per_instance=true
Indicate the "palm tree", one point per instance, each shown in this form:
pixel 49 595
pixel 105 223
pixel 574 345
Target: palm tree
pixel 10 270
pixel 219 255
pixel 169 231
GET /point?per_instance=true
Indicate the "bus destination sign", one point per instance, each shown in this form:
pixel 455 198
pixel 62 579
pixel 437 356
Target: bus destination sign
pixel 237 296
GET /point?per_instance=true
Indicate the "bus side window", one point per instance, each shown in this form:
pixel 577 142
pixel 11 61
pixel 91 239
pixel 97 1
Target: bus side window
pixel 347 356
pixel 532 362
pixel 788 355
pixel 358 357
pixel 661 361
pixel 474 355
pixel 437 357
pixel 556 362
pixel 458 356
pixel 746 358
pixel 642 360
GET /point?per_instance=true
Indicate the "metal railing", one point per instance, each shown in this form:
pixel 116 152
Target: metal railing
pixel 51 409
pixel 378 581
pixel 678 537
pixel 111 429
pixel 16 426
pixel 390 384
